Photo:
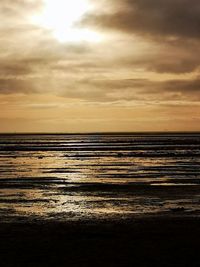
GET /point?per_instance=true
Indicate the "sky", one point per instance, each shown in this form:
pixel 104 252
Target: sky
pixel 99 65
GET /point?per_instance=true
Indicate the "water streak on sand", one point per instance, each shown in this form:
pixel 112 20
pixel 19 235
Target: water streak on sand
pixel 70 177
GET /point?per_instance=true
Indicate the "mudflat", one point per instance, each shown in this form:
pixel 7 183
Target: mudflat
pixel 153 241
pixel 100 200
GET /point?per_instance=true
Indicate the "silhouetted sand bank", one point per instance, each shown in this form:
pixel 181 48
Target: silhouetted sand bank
pixel 153 241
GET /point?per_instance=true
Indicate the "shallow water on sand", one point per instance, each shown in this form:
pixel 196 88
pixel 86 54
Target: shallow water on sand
pixel 75 177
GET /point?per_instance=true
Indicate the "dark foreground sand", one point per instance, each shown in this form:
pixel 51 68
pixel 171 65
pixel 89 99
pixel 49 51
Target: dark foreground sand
pixel 158 241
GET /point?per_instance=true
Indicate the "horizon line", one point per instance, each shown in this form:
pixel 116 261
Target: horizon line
pixel 101 132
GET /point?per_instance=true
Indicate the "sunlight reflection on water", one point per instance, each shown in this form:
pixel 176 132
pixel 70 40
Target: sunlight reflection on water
pixel 66 177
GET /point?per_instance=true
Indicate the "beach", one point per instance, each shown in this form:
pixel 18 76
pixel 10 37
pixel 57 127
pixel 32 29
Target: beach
pixel 100 133
pixel 150 242
pixel 100 200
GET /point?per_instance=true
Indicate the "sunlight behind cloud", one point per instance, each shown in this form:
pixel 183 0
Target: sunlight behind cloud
pixel 61 16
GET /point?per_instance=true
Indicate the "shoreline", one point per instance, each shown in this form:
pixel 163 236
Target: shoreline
pixel 153 241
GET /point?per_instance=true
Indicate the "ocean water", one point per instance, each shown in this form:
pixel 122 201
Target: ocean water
pixel 98 176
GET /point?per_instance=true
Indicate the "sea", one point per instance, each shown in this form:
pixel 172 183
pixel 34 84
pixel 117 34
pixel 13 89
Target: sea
pixel 75 177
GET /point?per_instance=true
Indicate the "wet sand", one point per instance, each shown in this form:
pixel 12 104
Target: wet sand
pixel 96 176
pixel 100 200
pixel 153 241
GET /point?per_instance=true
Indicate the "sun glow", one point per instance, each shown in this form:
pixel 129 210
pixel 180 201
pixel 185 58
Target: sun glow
pixel 62 17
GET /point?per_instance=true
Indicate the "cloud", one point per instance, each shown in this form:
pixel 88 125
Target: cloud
pixel 155 36
pixel 13 86
pixel 171 18
pixel 172 26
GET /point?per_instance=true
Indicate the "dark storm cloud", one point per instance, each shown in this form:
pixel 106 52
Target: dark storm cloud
pixel 178 18
pixel 172 24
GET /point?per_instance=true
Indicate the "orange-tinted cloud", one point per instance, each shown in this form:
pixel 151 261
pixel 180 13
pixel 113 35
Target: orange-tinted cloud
pixel 144 75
